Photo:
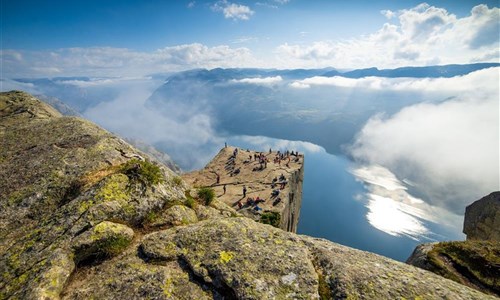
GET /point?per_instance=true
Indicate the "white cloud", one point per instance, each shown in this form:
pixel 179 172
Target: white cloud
pixel 183 127
pixel 448 150
pixel 264 143
pixel 107 61
pixel 191 4
pixel 422 35
pixel 232 10
pixel 258 80
pixel 389 14
pixel 316 51
pixel 486 78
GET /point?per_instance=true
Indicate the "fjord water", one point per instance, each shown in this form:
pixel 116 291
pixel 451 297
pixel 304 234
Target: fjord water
pixel 334 204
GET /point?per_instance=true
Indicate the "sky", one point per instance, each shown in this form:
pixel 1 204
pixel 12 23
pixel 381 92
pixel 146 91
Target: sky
pixel 136 38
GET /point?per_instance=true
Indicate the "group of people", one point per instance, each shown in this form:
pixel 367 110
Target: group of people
pixel 278 183
pixel 230 166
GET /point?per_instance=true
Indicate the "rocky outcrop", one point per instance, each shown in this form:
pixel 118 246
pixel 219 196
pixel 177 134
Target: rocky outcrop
pixel 482 218
pixel 237 258
pixel 475 262
pixel 86 216
pixel 244 171
pixel 472 263
pixel 60 179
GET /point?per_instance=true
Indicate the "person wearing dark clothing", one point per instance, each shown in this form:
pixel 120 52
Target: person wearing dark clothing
pixel 244 191
pixel 224 189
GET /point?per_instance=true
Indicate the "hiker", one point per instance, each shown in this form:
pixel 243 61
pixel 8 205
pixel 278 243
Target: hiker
pixel 240 205
pixel 224 189
pixel 218 178
pixel 244 191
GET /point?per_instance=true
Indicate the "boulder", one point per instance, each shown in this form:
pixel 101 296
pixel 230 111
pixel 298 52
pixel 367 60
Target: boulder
pixel 482 218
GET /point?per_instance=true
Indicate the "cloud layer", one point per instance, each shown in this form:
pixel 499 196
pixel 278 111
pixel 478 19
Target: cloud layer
pixel 448 150
pixel 107 61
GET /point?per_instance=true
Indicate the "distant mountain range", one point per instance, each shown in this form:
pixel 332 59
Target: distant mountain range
pixel 327 116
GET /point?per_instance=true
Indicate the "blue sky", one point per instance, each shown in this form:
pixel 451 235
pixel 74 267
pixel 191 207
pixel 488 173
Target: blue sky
pixel 273 33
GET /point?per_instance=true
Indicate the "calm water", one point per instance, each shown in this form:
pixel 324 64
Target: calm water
pixel 334 204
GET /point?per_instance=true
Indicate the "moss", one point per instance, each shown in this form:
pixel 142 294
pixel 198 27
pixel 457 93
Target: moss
pixel 151 216
pixel 206 194
pixel 477 258
pixel 323 288
pixel 145 171
pixel 114 188
pixel 109 238
pixel 271 217
pixel 225 256
pixel 84 206
pixel 167 286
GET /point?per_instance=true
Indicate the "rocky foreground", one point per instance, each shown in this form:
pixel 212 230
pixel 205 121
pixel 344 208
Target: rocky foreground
pixel 83 215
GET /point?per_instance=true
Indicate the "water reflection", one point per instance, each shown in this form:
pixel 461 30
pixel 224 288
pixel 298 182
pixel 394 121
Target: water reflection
pixel 393 218
pixel 393 210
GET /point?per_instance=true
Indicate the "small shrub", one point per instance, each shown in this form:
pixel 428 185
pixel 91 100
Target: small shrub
pixel 190 202
pixel 177 180
pixel 271 217
pixel 151 216
pixel 145 171
pixel 206 194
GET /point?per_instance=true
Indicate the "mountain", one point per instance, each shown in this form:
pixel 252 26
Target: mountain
pixel 59 105
pixel 416 72
pixel 85 215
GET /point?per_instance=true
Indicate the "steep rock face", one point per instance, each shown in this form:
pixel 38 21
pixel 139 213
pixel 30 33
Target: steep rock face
pixel 482 218
pixel 282 210
pixel 473 263
pixel 81 213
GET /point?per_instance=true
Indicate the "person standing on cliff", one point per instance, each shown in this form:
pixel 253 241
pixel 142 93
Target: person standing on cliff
pixel 224 189
pixel 244 191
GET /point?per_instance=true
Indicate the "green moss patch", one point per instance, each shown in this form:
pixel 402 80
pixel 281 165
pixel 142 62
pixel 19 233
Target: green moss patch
pixel 477 261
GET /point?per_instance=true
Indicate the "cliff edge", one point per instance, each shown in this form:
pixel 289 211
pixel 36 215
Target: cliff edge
pixel 86 216
pixel 264 186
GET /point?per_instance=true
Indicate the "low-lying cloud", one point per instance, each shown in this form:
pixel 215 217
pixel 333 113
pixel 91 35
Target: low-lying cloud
pixel 259 80
pixel 185 133
pixel 448 150
pixel 466 83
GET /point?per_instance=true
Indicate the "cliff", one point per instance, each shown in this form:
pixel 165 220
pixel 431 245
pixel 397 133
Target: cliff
pixel 482 218
pixel 86 216
pixel 244 170
pixel 475 262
